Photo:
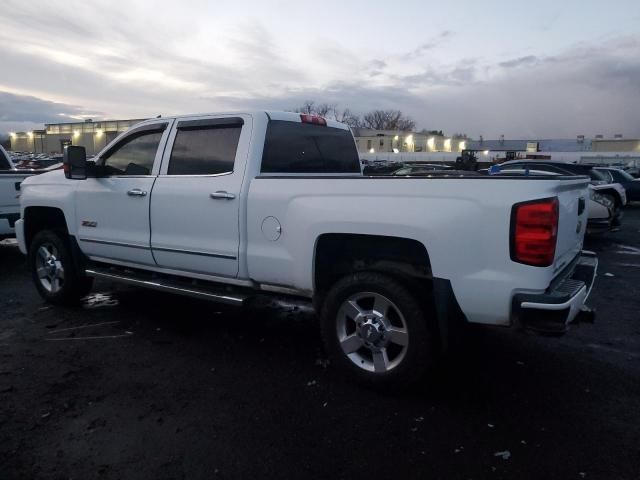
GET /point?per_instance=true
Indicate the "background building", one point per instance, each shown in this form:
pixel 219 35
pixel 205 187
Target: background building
pixel 617 144
pixel 392 141
pixel 89 134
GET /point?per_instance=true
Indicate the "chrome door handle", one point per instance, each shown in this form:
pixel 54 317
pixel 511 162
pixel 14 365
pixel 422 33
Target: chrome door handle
pixel 136 192
pixel 221 195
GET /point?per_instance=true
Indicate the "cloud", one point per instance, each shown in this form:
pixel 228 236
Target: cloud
pixel 461 74
pixel 128 63
pixel 518 62
pixel 429 45
pixel 33 112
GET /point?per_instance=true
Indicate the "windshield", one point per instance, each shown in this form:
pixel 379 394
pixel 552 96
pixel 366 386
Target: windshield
pixel 598 176
pixel 621 175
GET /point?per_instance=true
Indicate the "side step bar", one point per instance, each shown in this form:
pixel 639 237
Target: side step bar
pixel 166 284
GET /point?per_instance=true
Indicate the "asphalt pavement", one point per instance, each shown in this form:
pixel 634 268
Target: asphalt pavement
pixel 138 384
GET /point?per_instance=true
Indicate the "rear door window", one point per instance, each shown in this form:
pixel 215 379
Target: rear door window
pixel 292 147
pixel 204 149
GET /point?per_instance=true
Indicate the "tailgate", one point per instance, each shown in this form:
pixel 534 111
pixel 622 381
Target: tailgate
pixel 10 190
pixel 573 198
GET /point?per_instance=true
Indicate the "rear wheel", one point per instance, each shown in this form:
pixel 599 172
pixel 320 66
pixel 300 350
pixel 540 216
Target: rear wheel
pixel 375 330
pixel 53 270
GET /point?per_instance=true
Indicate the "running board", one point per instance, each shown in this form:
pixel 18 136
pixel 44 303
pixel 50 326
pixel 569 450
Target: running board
pixel 167 284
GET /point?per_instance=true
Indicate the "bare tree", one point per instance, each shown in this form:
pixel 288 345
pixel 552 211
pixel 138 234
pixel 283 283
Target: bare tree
pixel 388 120
pixel 432 132
pixel 330 111
pixel 312 108
pixel 376 119
pixel 348 117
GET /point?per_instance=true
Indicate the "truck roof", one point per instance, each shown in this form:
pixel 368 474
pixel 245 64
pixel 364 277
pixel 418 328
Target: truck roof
pixel 271 114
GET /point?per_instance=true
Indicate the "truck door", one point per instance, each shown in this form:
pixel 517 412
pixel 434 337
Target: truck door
pixel 112 211
pixel 196 199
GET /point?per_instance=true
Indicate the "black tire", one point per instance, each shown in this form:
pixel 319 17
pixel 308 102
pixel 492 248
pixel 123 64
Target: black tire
pixel 74 285
pixel 420 352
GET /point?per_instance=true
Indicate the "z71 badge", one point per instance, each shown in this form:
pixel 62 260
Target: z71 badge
pixel 87 223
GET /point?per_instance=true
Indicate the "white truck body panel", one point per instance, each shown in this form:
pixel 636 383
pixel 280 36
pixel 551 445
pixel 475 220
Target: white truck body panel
pixel 463 225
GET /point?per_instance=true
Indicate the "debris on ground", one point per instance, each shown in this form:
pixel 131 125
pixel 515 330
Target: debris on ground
pixel 321 362
pixel 504 455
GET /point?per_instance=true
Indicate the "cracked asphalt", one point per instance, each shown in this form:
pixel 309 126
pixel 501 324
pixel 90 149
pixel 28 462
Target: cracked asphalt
pixel 137 384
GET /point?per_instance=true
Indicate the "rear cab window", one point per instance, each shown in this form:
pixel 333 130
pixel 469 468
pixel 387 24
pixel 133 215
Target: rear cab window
pixel 305 148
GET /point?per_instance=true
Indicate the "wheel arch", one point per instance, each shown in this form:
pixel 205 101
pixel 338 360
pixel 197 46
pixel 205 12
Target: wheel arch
pixel 614 193
pixel 337 254
pixel 406 259
pixel 38 218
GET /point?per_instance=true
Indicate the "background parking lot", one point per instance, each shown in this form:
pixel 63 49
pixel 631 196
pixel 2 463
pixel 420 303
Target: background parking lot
pixel 137 384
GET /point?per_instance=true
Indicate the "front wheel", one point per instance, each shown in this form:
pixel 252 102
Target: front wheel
pixel 53 270
pixel 375 330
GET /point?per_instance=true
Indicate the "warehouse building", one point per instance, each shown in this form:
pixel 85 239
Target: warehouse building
pixel 392 141
pixel 94 136
pixel 617 144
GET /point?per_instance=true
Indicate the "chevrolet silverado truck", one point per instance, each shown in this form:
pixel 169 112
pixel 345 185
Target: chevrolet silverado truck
pixel 232 207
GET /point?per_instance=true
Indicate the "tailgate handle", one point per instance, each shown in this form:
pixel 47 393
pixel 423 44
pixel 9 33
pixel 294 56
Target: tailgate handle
pixel 581 205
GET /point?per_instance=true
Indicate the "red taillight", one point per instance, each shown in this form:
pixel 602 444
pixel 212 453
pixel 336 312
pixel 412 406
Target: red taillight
pixel 313 119
pixel 534 231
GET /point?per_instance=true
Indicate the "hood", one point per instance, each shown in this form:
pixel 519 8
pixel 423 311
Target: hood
pixel 55 177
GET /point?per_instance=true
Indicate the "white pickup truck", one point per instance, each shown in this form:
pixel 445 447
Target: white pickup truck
pixel 10 180
pixel 230 207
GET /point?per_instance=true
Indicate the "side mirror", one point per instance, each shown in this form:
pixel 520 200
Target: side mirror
pixel 74 162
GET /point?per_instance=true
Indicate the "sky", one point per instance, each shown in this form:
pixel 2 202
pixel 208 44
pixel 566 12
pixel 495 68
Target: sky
pixel 523 69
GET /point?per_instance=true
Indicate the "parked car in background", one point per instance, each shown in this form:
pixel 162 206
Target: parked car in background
pixel 601 182
pixel 229 207
pixel 633 171
pixel 380 167
pixel 10 180
pixel 39 163
pixel 420 168
pixel 630 184
pixel 602 214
